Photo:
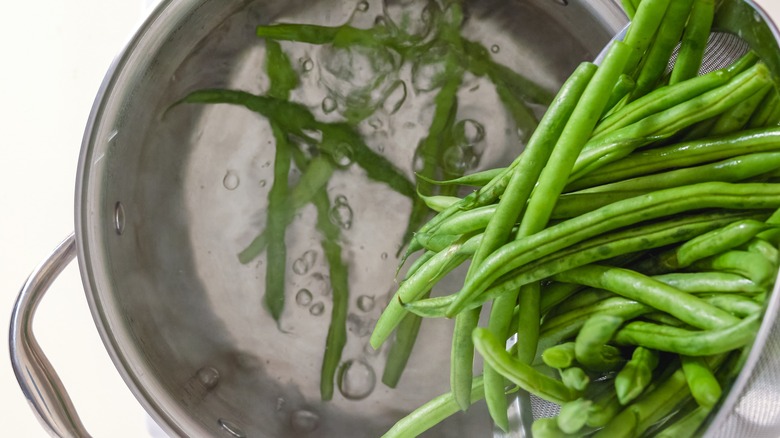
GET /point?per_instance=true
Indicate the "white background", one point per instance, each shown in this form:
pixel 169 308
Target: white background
pixel 55 54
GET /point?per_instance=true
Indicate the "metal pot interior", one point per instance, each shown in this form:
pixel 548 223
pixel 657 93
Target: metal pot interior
pixel 168 196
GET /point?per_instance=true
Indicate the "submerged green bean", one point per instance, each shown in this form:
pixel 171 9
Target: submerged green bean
pixel 339 282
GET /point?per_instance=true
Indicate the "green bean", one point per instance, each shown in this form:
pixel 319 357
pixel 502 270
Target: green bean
pixel 685 426
pixel 560 356
pixel 642 29
pixel 564 326
pixel 438 203
pixel 605 247
pixel 556 293
pixel 591 346
pixel 572 138
pixel 735 304
pixel 668 35
pixel 701 381
pixel 339 281
pixel 621 213
pixel 718 241
pixel 282 79
pixel 569 205
pixel 766 249
pixel 467 221
pixel 694 41
pixel 431 148
pixel 629 7
pixel 701 282
pixel 688 342
pixel 636 375
pixel 604 408
pixel 338 36
pixel 477 179
pixel 401 350
pixel 562 106
pixel 617 144
pixel 431 307
pixel 634 285
pixel 681 155
pixel 316 175
pixel 525 120
pixel 737 117
pixel 519 373
pixel 462 356
pixel 665 319
pixel 585 297
pixel 419 262
pixel 479 62
pixel 436 242
pixel 575 378
pixel 418 284
pixel 635 419
pixel 573 415
pixel 294 118
pixel 669 96
pixel 432 413
pixel 624 243
pixel 548 428
pixel 748 264
pixel 529 322
pixel 766 113
pixel 625 84
pixel 550 182
pixel 277 225
pixel 526 176
pixel 730 170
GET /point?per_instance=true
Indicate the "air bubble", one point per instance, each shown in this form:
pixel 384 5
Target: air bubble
pixel 317 308
pixel 231 180
pixel 383 256
pixel 356 379
pixel 208 377
pixel 362 6
pixel 459 159
pixel 329 105
pixel 365 303
pixel 304 421
pixel 469 131
pixel 302 265
pixel 303 297
pixel 342 155
pixel 308 65
pixel 495 48
pixel 341 213
pixel 263 183
pixel 395 98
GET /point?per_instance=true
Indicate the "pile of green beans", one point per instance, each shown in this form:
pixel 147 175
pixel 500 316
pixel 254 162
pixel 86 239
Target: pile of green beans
pixel 623 260
pixel 312 147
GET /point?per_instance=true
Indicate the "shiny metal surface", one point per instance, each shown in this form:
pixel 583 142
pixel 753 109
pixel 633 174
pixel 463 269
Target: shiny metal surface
pixel 167 198
pixel 37 378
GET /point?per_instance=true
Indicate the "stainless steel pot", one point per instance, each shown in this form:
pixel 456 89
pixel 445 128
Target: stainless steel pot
pixel 166 198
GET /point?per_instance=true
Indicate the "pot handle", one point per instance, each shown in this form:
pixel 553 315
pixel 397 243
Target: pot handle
pixel 37 378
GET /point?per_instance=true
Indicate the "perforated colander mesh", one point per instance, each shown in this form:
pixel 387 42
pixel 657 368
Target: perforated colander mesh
pixel 756 411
